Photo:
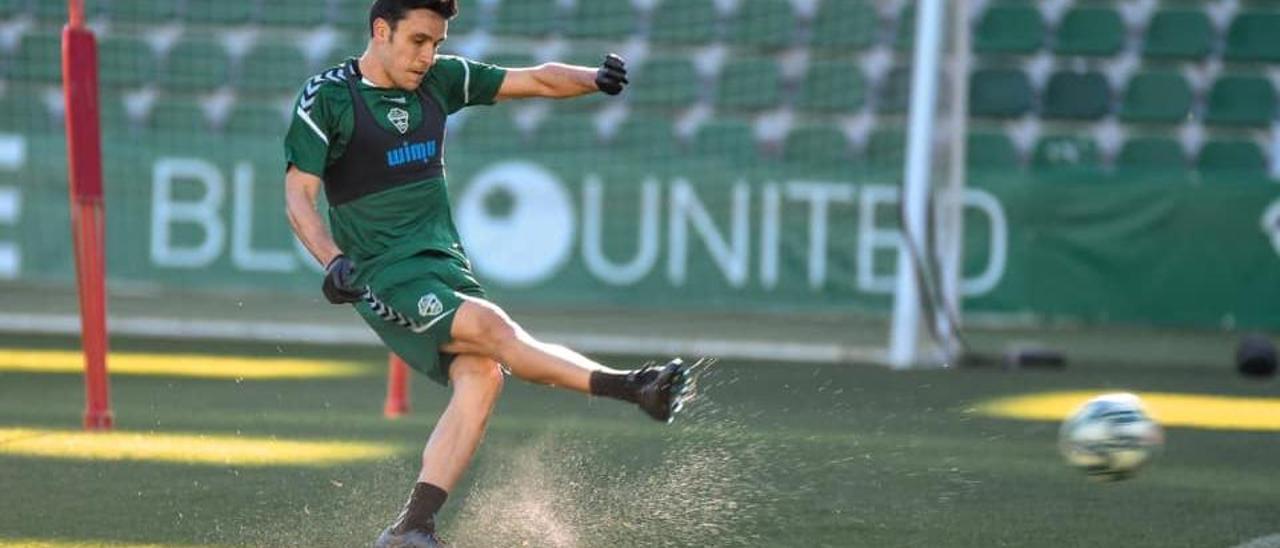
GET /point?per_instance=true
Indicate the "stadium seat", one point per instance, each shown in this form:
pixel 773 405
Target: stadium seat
pixel 293 13
pixel 749 84
pixel 667 82
pixel 22 108
pixel 143 11
pixel 533 18
pixel 842 25
pixel 816 146
pixel 38 60
pixel 10 8
pixel 904 35
pixel 833 86
pixel 1009 28
pixel 259 118
pixel 991 152
pixel 1065 155
pixel 1179 34
pixel 51 12
pixel 566 132
pixel 601 19
pixel 178 115
pixel 1091 31
pixel 490 130
pixel 886 149
pixel 1236 156
pixel 684 22
pixel 218 12
pixel 1141 157
pixel 999 93
pixel 1074 95
pixel 651 137
pixel 1253 36
pixel 276 67
pixel 113 116
pixel 125 61
pixel 894 91
pixel 1159 97
pixel 196 65
pixel 1241 100
pixel 352 16
pixel 728 139
pixel 764 24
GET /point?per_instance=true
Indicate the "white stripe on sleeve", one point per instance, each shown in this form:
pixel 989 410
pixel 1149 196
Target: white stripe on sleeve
pixel 307 118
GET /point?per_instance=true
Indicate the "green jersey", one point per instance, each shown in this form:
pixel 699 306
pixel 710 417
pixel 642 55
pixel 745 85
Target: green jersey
pixel 385 205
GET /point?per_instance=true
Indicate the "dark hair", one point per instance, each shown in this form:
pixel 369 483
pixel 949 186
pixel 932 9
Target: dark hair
pixel 392 11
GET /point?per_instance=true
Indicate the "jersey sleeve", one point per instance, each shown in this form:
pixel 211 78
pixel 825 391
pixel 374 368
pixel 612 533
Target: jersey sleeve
pixel 306 144
pixel 463 82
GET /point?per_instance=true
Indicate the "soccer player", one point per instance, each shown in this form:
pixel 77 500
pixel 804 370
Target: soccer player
pixel 371 133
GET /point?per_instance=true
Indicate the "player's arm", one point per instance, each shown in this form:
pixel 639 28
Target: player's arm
pixel 559 81
pixel 301 191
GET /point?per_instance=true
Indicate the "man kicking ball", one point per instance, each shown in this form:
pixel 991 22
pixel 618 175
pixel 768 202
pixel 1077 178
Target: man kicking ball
pixel 370 132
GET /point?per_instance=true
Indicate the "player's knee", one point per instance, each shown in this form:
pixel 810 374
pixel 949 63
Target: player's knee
pixel 478 374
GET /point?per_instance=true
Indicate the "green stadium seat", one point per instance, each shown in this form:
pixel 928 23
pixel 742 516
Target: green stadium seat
pixel 50 12
pixel 887 149
pixel 10 8
pixel 1009 28
pixel 278 67
pixel 178 115
pixel 749 84
pixel 527 18
pixel 764 24
pixel 1241 100
pixel 488 130
pixel 293 13
pixel 816 146
pixel 1254 36
pixel 259 118
pixel 1159 97
pixel 905 34
pixel 353 16
pixel 842 25
pixel 833 86
pixel 38 60
pixel 729 139
pixel 125 61
pixel 217 12
pixel 567 132
pixel 670 82
pixel 1074 95
pixel 22 108
pixel 646 136
pixel 999 93
pixel 113 116
pixel 1091 31
pixel 196 65
pixel 1066 155
pixel 1231 158
pixel 601 20
pixel 684 22
pixel 143 11
pixel 991 152
pixel 1179 34
pixel 1156 156
pixel 895 91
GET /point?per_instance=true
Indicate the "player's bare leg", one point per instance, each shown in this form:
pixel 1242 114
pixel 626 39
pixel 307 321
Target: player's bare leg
pixel 476 383
pixel 480 327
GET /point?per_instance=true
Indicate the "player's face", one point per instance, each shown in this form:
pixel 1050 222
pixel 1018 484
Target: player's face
pixel 408 52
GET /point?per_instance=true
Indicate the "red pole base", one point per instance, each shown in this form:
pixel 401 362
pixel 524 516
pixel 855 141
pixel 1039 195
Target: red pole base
pixel 98 420
pixel 397 404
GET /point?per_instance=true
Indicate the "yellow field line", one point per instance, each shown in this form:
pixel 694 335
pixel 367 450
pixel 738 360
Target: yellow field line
pixel 199 449
pixel 179 365
pixel 1170 409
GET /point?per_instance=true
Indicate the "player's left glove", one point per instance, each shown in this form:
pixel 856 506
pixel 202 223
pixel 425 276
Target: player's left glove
pixel 612 76
pixel 339 276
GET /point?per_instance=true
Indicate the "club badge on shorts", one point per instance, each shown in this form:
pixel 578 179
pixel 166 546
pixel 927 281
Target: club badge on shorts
pixel 400 118
pixel 429 305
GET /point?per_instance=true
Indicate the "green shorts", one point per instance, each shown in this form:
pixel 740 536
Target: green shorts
pixel 411 306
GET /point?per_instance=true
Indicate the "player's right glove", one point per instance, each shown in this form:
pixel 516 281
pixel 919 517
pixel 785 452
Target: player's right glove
pixel 339 276
pixel 612 76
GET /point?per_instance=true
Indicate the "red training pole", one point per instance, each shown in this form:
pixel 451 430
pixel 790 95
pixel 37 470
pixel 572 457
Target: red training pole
pixel 84 160
pixel 397 404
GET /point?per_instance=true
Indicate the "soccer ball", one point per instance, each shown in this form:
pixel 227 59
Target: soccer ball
pixel 1110 437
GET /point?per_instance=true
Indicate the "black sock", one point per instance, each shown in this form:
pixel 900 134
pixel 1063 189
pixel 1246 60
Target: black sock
pixel 613 385
pixel 419 513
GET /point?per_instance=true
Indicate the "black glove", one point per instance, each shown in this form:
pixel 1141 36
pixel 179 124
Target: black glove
pixel 612 75
pixel 337 281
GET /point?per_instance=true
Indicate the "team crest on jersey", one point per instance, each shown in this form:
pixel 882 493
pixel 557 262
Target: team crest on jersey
pixel 400 118
pixel 429 305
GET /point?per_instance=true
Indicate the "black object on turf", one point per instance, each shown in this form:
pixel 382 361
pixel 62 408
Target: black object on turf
pixel 1256 356
pixel 338 277
pixel 664 389
pixel 612 76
